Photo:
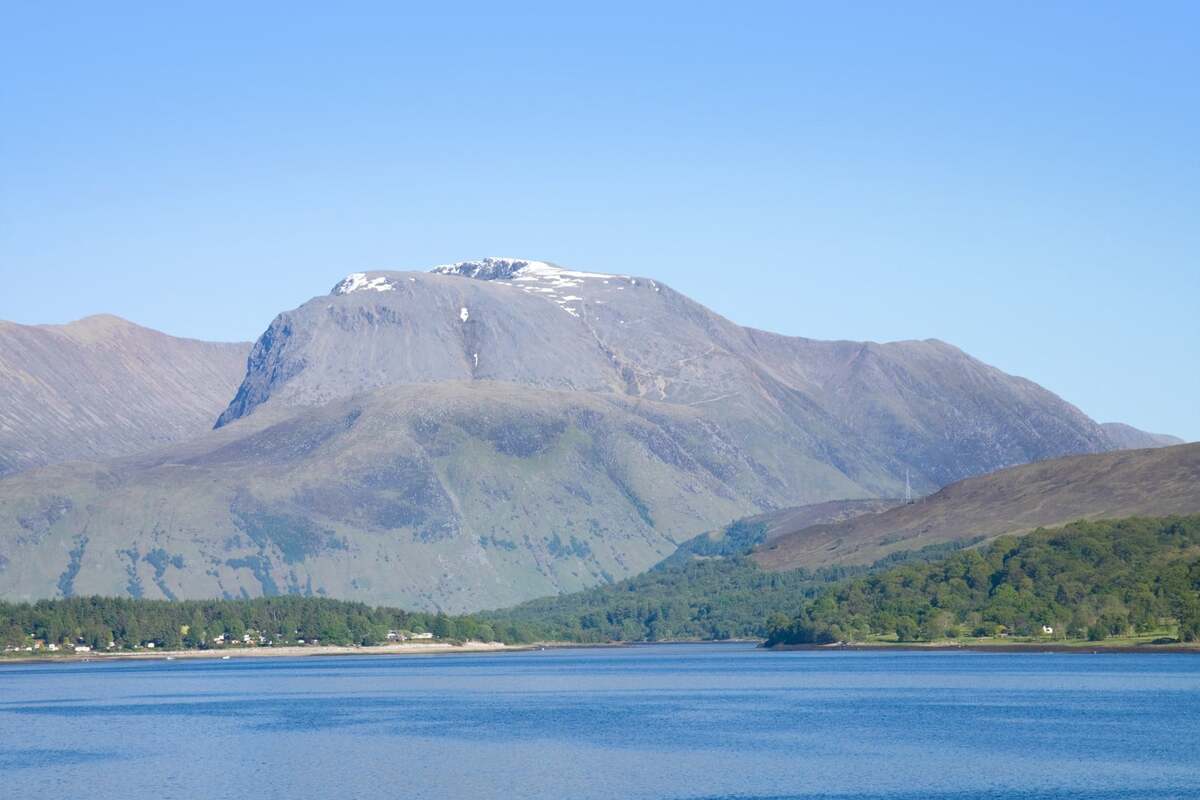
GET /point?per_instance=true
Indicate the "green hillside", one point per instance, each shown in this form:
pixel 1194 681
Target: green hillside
pixel 1087 580
pixel 709 589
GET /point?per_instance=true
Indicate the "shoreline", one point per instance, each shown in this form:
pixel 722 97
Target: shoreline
pixel 445 648
pixel 1083 648
pixel 286 651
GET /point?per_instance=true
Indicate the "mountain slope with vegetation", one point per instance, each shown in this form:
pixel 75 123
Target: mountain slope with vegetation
pixel 1085 580
pixel 707 589
pixel 1012 501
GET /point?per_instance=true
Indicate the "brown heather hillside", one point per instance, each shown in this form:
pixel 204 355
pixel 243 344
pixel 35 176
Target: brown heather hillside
pixel 1152 482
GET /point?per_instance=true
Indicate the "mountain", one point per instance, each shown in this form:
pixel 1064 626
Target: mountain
pixel 1154 482
pixel 104 387
pixel 501 429
pixel 857 414
pixel 1127 437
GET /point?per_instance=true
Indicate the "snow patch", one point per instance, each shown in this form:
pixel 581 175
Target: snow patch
pixel 359 282
pixel 539 278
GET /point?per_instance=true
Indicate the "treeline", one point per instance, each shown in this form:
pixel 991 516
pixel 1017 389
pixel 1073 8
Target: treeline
pixel 1087 580
pixel 129 623
pixel 707 590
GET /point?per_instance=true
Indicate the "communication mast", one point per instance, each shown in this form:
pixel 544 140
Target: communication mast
pixel 907 489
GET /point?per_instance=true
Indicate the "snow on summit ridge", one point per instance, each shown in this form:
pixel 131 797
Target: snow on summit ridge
pixel 540 278
pixel 553 283
pixel 512 269
pixel 359 282
pixel 532 277
pixel 493 268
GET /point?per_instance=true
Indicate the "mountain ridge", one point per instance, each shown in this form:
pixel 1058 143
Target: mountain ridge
pixel 104 386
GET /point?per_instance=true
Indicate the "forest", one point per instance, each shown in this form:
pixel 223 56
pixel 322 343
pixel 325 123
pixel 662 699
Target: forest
pixel 1087 580
pixel 707 590
pixel 103 623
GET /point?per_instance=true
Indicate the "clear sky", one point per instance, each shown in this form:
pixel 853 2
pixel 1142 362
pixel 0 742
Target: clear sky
pixel 1021 180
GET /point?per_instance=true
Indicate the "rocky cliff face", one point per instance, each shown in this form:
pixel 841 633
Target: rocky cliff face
pixel 103 387
pixel 501 429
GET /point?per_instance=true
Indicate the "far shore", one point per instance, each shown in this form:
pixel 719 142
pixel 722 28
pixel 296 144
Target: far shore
pixel 451 648
pixel 286 651
pixel 1077 648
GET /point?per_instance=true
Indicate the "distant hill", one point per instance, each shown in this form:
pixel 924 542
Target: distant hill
pixel 1127 437
pixel 1125 483
pixel 104 387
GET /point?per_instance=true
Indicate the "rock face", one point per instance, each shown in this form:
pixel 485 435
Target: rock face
pixel 103 387
pixel 501 429
pixel 1153 482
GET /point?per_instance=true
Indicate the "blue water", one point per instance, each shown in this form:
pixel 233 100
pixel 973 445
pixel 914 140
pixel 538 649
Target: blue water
pixel 699 721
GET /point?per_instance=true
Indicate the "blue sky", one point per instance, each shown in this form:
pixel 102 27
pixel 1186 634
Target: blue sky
pixel 1022 180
